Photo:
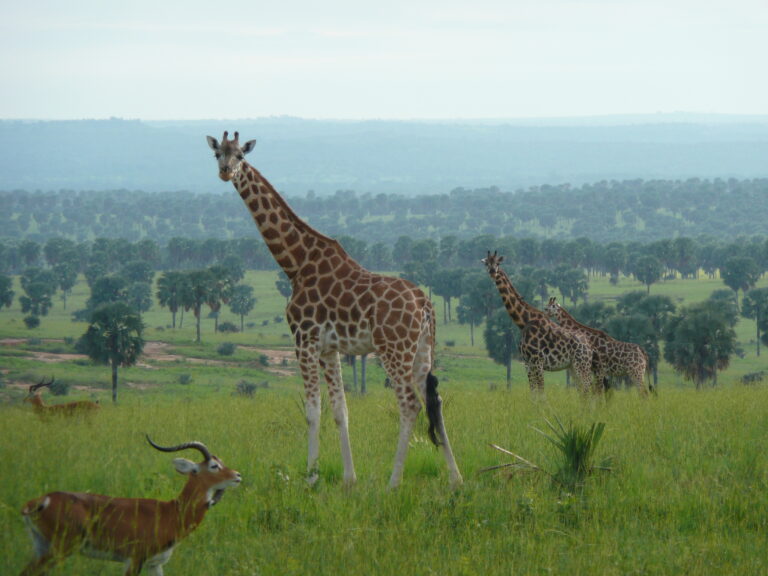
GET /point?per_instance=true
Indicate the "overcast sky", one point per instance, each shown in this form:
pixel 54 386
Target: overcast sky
pixel 172 59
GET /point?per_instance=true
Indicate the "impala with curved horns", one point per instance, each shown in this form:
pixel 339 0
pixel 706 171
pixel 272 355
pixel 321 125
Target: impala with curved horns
pixel 68 409
pixel 140 532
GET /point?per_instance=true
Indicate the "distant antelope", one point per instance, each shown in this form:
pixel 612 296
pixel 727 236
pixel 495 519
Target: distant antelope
pixel 68 409
pixel 137 531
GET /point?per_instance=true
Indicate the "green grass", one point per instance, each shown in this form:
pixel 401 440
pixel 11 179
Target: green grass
pixel 686 494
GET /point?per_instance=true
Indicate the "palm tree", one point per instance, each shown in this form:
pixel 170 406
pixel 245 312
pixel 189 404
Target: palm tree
pixel 220 291
pixel 170 288
pixel 6 291
pixel 242 301
pixel 196 293
pixel 700 342
pixel 754 305
pixel 113 337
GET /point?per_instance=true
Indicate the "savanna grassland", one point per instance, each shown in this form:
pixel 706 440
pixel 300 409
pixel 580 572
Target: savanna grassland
pixel 687 492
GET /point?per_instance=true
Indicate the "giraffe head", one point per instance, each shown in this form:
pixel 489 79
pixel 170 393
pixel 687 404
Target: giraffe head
pixel 493 262
pixel 553 308
pixel 229 154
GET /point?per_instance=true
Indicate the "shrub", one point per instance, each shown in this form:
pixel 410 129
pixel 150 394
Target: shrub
pixel 264 360
pixel 245 388
pixel 59 388
pixel 185 379
pixel 31 322
pixel 228 327
pixel 226 348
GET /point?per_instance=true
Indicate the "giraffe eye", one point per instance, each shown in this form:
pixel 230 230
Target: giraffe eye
pixel 240 157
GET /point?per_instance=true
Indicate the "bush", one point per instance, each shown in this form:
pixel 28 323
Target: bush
pixel 226 348
pixel 245 388
pixel 59 388
pixel 185 379
pixel 32 322
pixel 228 327
pixel 264 360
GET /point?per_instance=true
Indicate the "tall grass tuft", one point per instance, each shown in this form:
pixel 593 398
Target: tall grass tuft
pixel 576 447
pixel 576 450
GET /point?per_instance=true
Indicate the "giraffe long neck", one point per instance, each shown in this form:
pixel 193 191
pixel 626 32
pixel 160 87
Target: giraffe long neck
pixel 288 237
pixel 566 320
pixel 519 310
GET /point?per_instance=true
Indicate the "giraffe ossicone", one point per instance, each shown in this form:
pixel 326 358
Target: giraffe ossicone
pixel 339 307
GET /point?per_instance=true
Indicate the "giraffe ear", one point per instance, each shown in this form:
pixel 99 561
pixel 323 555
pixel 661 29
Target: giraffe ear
pixel 248 146
pixel 212 142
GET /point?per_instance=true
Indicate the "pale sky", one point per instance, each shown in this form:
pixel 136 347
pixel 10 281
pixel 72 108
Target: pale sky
pixel 393 59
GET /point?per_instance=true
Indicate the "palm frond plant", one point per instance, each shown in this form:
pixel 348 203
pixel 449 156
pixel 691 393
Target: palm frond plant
pixel 576 447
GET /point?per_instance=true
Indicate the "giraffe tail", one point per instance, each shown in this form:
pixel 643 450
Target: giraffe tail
pixel 434 409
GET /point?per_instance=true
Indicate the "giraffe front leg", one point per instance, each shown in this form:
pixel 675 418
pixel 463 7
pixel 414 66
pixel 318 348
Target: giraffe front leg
pixel 535 378
pixel 332 370
pixel 308 362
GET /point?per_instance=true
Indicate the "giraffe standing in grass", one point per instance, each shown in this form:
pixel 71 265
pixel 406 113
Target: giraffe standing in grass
pixel 543 344
pixel 611 357
pixel 337 306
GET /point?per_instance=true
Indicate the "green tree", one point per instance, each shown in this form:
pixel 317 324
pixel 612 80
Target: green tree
pixel 107 290
pixel 242 302
pixel 448 285
pixel 219 292
pixel 113 337
pixel 139 296
pixel 39 287
pixel 199 285
pixel 647 269
pixel 283 285
pixel 754 305
pixel 170 292
pixel 477 301
pixel 66 277
pixel 138 271
pixel 6 291
pixel 699 342
pixel 501 340
pixel 740 273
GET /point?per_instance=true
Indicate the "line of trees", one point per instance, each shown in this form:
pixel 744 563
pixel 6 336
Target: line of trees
pixel 606 211
pixel 121 271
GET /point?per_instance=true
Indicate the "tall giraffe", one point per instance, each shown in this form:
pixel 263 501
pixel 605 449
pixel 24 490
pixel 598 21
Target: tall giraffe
pixel 337 306
pixel 611 357
pixel 543 344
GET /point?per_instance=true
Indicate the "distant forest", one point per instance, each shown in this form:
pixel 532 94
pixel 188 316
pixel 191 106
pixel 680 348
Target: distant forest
pixel 608 211
pixel 392 157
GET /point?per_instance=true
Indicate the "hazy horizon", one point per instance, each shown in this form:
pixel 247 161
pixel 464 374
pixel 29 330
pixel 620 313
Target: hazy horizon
pixel 345 60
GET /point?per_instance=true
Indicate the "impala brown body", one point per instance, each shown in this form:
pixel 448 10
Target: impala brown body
pixel 140 532
pixel 67 409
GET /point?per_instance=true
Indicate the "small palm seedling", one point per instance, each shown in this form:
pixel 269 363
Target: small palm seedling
pixel 576 448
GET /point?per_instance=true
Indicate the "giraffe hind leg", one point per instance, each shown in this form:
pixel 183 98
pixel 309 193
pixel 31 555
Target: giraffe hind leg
pixel 332 370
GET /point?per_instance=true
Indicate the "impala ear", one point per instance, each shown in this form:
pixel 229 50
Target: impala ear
pixel 184 466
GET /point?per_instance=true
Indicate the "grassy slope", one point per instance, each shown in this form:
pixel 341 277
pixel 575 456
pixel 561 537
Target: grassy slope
pixel 687 494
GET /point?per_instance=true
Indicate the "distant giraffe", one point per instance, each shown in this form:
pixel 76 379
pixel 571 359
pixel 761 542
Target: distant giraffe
pixel 543 345
pixel 611 357
pixel 337 306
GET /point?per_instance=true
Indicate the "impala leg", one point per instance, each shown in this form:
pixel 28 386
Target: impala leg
pixel 332 370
